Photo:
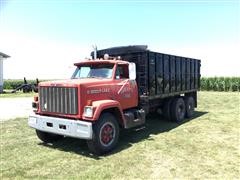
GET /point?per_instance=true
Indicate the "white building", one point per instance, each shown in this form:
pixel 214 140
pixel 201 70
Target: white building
pixel 2 57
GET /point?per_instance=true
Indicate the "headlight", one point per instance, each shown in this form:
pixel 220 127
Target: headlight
pixel 88 111
pixel 34 105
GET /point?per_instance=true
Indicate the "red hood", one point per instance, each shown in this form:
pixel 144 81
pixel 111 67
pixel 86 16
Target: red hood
pixel 74 82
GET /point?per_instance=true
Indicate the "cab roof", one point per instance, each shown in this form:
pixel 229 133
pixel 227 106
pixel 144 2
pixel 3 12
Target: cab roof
pixel 101 61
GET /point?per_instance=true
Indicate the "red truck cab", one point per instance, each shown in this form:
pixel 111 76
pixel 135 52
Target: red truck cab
pixel 92 105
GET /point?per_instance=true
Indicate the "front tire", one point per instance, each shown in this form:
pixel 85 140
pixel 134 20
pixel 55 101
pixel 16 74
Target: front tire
pixel 105 134
pixel 48 137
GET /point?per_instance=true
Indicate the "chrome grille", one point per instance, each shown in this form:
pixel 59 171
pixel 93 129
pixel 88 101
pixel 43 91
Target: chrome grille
pixel 62 100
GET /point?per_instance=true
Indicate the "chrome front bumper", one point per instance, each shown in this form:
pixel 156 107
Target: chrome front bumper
pixel 62 126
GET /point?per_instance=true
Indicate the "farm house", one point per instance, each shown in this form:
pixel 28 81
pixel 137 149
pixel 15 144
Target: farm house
pixel 2 57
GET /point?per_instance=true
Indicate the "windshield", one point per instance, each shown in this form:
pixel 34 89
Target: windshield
pixel 93 71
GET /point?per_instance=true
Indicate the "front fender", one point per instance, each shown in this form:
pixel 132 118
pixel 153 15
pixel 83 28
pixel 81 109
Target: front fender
pixel 102 105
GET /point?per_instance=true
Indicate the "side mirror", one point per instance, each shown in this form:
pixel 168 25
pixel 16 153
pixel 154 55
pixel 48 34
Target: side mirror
pixel 132 71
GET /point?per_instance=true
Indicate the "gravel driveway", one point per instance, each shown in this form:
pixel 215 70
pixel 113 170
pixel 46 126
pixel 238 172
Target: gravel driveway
pixel 11 108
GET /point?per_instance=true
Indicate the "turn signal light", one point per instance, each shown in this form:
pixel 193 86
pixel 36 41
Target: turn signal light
pixel 89 102
pixel 35 98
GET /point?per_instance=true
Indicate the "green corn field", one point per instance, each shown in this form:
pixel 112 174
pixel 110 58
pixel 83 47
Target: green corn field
pixel 220 84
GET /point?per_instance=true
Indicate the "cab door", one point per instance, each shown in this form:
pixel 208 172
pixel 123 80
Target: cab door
pixel 126 89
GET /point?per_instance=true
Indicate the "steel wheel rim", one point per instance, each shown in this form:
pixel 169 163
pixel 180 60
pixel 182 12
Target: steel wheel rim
pixel 190 106
pixel 180 111
pixel 107 134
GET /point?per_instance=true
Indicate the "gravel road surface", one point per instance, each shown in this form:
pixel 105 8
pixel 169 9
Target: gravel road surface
pixel 11 108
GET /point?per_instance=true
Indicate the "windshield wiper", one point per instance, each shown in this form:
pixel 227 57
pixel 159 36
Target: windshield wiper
pixel 94 77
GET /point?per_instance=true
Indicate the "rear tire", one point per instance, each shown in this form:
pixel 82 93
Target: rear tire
pixel 167 109
pixel 190 105
pixel 178 110
pixel 48 137
pixel 105 134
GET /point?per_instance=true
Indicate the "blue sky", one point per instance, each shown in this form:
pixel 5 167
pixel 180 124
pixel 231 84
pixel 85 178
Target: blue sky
pixel 62 32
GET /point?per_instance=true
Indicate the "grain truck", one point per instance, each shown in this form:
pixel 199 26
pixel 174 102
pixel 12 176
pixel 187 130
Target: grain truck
pixel 115 90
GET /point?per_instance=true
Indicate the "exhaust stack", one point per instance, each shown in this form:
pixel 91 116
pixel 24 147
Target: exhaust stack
pixel 94 52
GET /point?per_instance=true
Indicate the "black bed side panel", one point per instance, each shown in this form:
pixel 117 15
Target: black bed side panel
pixel 178 74
pixel 172 74
pixel 187 75
pixel 161 74
pixel 166 73
pixel 183 72
pixel 152 73
pixel 192 74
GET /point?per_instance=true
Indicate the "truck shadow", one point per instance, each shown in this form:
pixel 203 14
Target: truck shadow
pixel 154 125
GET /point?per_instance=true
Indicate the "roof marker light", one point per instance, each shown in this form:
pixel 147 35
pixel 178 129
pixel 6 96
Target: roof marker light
pixel 106 57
